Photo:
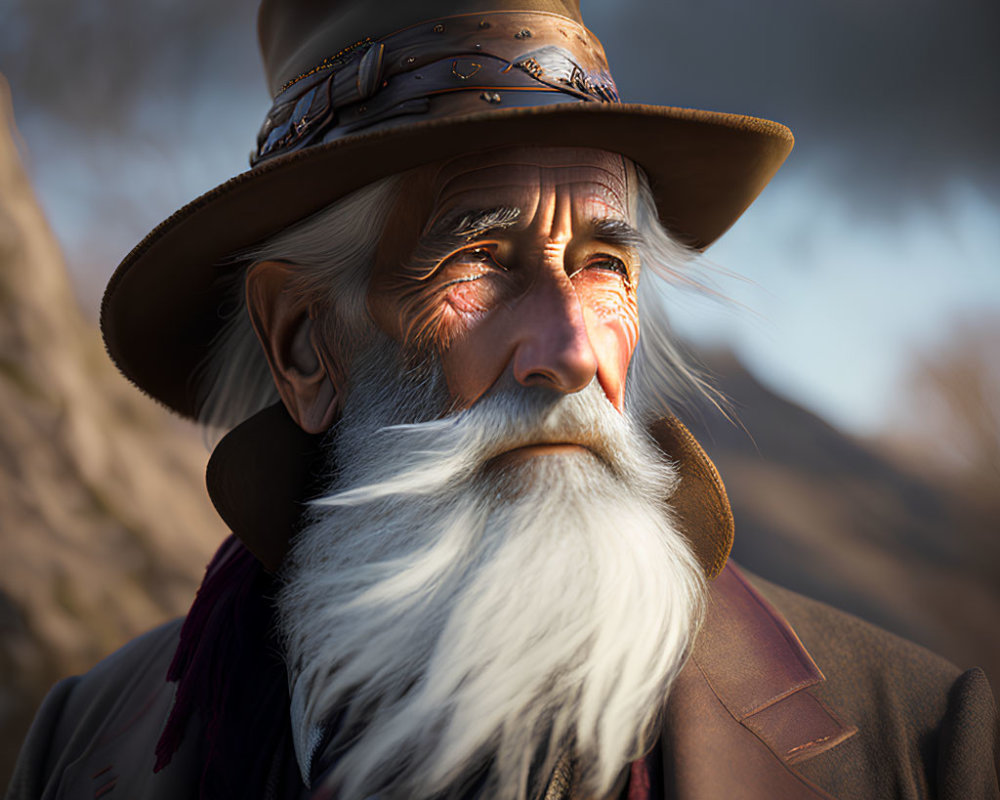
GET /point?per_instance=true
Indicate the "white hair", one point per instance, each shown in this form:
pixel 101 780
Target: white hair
pixel 460 623
pixel 334 250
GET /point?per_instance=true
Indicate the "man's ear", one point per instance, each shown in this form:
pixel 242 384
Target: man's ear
pixel 309 378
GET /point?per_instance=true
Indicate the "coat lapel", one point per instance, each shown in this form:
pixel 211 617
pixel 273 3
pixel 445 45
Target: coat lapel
pixel 741 713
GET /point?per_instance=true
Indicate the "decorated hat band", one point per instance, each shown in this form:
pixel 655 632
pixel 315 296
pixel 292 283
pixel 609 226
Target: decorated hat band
pixel 512 58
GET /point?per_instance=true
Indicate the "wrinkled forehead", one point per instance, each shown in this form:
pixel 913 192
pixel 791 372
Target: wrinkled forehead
pixel 599 183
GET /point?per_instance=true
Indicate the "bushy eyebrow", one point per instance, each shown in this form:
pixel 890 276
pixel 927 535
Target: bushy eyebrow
pixel 455 230
pixel 469 224
pixel 617 232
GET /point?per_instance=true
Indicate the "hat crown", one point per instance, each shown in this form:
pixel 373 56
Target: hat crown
pixel 296 35
pixel 437 68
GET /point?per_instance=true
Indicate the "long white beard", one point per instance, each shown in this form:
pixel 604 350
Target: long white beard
pixel 468 623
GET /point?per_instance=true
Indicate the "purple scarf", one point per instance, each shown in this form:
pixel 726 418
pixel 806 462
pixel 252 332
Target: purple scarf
pixel 230 676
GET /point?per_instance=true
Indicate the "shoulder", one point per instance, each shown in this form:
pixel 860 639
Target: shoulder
pixel 125 697
pixel 925 727
pixel 847 645
pixel 141 663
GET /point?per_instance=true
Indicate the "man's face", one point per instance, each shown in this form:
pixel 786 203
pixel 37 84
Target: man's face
pixel 472 614
pixel 522 260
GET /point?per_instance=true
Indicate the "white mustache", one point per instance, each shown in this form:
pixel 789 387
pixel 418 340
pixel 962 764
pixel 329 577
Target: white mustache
pixel 437 453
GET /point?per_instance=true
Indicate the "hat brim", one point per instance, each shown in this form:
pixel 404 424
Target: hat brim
pixel 163 306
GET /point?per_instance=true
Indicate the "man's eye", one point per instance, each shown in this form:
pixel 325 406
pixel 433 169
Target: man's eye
pixel 471 264
pixel 476 255
pixel 609 263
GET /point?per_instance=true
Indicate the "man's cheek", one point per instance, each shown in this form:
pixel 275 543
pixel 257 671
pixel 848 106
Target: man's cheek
pixel 473 361
pixel 455 322
pixel 420 318
pixel 437 313
pixel 613 326
pixel 433 316
pixel 466 301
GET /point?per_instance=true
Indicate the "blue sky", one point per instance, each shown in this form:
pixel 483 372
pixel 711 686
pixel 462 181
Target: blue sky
pixel 832 307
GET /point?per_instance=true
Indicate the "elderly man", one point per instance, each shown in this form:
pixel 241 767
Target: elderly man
pixel 473 554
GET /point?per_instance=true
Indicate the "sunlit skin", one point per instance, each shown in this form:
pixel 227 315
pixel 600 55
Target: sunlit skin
pixel 548 293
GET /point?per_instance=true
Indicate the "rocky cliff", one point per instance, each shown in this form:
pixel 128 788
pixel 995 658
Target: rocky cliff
pixel 104 523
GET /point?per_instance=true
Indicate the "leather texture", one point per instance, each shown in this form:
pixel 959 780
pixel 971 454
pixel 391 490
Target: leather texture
pixel 742 712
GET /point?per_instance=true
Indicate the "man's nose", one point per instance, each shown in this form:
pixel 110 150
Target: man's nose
pixel 553 346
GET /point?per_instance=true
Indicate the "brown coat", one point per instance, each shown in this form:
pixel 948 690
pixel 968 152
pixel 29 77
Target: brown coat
pixel 805 702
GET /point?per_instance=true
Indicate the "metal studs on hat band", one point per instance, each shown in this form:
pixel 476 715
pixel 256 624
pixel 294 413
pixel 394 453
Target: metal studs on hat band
pixel 490 97
pixel 532 67
pixel 328 62
pixel 464 68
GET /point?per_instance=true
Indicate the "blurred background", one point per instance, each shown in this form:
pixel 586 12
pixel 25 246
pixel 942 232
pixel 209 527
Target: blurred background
pixel 859 344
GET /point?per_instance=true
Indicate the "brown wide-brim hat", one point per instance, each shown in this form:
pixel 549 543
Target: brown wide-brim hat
pixel 365 89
